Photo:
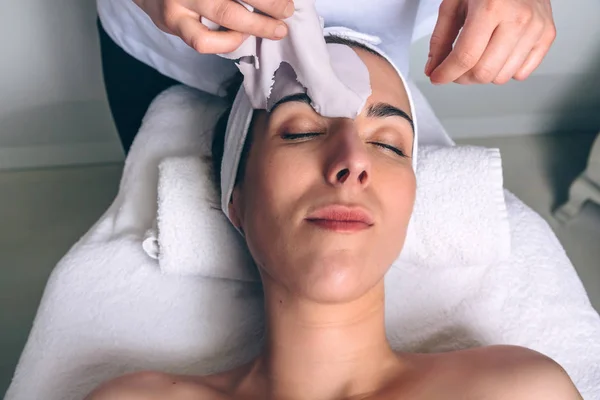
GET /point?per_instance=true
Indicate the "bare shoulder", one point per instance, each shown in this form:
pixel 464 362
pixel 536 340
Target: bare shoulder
pixel 150 385
pixel 515 373
pixel 133 386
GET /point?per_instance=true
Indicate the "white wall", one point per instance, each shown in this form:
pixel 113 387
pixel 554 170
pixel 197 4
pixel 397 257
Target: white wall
pixel 53 108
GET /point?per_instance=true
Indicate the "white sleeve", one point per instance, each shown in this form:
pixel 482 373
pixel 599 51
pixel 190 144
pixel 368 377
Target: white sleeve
pixel 426 18
pixel 134 31
pixel 131 29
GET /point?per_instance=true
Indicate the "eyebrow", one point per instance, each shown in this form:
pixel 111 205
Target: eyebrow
pixel 301 97
pixel 377 110
pixel 383 110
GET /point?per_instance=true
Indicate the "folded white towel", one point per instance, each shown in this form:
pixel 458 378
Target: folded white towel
pixel 194 236
pixel 459 217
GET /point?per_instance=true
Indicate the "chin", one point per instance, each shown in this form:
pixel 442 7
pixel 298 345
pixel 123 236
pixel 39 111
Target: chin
pixel 340 277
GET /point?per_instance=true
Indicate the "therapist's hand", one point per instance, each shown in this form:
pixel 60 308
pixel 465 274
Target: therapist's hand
pixel 182 18
pixel 500 40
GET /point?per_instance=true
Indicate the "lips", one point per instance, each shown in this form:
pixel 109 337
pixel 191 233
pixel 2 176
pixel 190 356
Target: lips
pixel 341 218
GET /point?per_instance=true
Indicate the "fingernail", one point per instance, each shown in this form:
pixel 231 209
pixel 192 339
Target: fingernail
pixel 427 65
pixel 289 9
pixel 280 31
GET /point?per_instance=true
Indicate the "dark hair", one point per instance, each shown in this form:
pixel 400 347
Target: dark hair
pixel 231 88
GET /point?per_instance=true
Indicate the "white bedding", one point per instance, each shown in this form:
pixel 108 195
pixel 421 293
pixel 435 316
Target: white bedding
pixel 107 309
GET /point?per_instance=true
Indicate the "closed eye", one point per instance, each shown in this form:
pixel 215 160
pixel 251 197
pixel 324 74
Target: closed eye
pixel 308 135
pixel 299 136
pixel 390 148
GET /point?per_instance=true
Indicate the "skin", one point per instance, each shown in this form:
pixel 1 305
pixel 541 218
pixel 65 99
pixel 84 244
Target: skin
pixel 500 39
pixel 182 18
pixel 324 291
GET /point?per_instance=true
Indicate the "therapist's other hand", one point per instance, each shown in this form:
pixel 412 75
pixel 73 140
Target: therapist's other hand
pixel 500 40
pixel 183 18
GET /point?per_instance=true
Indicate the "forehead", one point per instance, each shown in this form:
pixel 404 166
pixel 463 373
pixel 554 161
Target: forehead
pixel 386 84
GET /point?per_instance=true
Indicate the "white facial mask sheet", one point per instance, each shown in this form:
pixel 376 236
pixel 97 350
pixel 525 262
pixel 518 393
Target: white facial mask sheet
pixel 335 78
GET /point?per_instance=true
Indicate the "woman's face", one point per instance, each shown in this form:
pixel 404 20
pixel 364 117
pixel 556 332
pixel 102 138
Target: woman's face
pixel 325 202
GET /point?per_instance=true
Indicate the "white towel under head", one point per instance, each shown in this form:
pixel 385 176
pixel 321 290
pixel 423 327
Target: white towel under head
pixel 459 217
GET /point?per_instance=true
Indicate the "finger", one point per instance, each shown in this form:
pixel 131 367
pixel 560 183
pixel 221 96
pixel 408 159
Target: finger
pixel 275 8
pixel 471 43
pixel 535 57
pixel 533 60
pixel 518 56
pixel 205 41
pixel 232 15
pixel 465 79
pixel 502 44
pixel 447 27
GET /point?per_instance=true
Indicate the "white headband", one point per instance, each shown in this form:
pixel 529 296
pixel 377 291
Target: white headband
pixel 242 111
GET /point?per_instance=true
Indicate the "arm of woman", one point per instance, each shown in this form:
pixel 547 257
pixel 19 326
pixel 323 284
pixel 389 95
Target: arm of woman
pixel 143 385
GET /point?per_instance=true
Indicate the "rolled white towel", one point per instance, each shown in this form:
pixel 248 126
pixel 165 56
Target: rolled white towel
pixel 194 236
pixel 459 217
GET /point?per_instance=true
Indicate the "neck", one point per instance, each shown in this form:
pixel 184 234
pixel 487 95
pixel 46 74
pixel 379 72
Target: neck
pixel 324 351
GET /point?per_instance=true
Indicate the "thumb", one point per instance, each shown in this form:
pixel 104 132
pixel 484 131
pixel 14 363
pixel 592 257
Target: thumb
pixel 450 19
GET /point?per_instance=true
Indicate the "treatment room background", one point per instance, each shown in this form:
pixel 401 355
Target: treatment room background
pixel 60 157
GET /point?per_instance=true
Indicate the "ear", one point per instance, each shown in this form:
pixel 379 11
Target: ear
pixel 235 211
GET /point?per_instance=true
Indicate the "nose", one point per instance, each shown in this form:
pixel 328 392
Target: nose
pixel 348 160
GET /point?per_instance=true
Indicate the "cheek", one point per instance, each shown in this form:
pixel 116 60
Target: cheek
pixel 398 197
pixel 277 181
pixel 271 205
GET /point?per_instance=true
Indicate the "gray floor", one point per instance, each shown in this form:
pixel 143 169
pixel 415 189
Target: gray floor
pixel 43 212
